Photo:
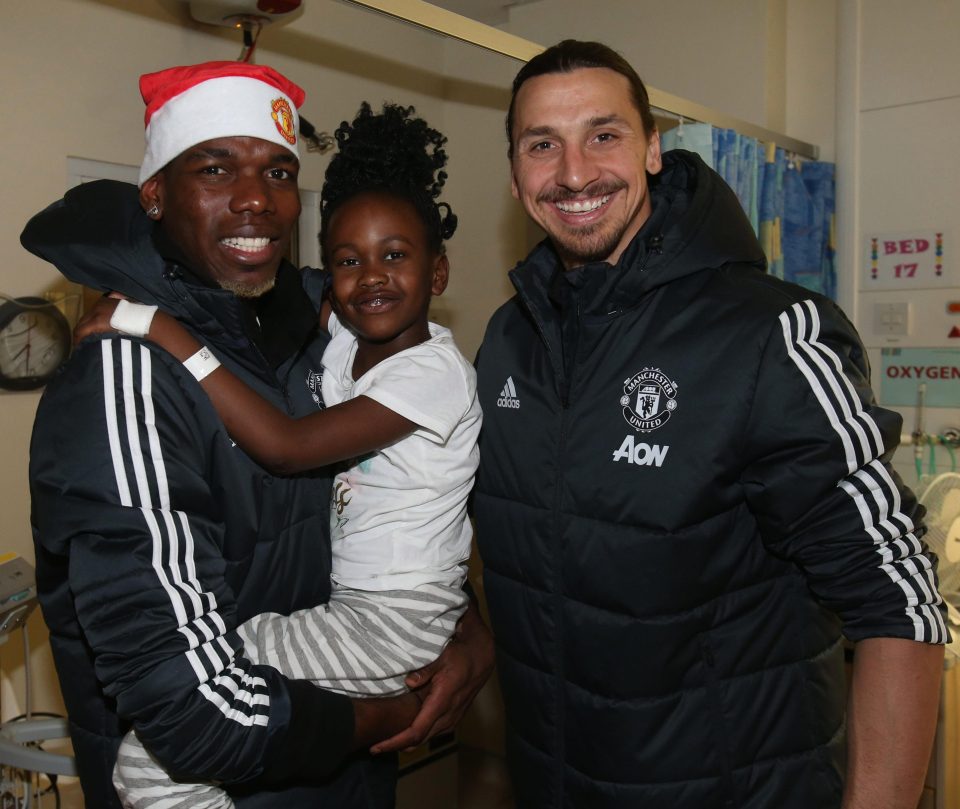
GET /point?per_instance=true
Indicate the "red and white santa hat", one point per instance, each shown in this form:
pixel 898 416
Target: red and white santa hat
pixel 194 103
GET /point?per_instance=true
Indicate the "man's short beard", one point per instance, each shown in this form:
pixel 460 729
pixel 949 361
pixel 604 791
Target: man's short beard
pixel 589 245
pixel 249 291
pixel 584 245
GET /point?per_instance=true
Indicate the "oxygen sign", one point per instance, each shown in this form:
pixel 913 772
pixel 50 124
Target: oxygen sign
pixel 904 369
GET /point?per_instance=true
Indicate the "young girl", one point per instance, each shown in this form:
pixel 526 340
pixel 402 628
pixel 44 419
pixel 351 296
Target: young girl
pixel 401 403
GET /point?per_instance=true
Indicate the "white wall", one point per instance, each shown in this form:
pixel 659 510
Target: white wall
pixel 908 169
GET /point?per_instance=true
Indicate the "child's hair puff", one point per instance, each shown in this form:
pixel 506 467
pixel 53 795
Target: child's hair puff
pixel 394 152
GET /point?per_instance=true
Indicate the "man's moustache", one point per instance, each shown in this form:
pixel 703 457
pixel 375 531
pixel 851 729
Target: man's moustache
pixel 565 195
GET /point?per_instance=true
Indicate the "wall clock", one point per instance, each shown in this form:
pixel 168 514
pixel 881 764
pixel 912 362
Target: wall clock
pixel 35 341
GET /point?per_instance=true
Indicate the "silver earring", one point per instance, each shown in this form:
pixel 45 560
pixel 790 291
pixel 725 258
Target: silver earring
pixel 154 212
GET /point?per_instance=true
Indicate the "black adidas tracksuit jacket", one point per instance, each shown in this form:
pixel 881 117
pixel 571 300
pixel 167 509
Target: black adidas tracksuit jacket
pixel 155 535
pixel 683 498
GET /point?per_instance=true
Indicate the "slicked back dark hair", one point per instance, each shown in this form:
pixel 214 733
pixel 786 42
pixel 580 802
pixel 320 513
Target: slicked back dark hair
pixel 390 152
pixel 573 54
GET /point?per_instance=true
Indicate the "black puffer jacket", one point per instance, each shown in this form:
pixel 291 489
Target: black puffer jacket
pixel 683 496
pixel 155 535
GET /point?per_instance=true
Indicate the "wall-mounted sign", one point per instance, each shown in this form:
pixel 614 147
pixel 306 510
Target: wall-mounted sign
pixel 905 369
pixel 909 260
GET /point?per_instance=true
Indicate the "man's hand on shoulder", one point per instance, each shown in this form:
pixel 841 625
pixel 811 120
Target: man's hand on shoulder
pixel 447 686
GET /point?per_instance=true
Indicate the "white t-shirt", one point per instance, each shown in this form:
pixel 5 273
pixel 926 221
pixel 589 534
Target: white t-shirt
pixel 399 516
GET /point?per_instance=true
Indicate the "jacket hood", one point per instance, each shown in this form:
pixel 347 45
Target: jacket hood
pixel 99 236
pixel 706 225
pixel 697 223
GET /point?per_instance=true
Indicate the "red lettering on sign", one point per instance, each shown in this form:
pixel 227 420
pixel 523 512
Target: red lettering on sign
pixel 906 246
pixel 954 332
pixel 905 270
pixel 926 371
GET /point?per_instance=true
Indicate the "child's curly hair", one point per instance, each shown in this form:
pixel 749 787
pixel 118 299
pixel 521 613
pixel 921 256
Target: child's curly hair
pixel 392 152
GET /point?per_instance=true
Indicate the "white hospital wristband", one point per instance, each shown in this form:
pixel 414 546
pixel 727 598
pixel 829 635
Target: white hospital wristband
pixel 202 363
pixel 132 318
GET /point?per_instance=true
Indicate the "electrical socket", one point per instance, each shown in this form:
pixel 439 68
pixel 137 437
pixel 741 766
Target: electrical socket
pixel 891 319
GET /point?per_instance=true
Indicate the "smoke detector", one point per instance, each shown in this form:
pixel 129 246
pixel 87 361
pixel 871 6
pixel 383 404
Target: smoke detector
pixel 237 13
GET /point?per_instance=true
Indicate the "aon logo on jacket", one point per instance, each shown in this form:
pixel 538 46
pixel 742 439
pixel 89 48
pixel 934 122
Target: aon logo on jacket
pixel 640 453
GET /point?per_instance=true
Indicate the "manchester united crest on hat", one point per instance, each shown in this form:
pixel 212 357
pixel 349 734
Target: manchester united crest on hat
pixel 283 118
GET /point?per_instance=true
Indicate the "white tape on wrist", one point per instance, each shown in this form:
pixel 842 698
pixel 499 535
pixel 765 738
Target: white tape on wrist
pixel 132 318
pixel 201 364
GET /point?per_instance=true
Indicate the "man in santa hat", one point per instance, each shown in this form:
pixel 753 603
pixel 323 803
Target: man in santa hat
pixel 155 534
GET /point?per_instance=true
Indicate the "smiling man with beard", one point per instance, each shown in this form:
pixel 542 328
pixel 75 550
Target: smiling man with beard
pixel 155 534
pixel 684 496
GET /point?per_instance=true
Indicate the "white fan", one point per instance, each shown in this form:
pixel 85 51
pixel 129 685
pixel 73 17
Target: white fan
pixel 942 500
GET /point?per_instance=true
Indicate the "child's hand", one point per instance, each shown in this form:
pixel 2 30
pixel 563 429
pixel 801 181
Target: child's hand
pixel 97 320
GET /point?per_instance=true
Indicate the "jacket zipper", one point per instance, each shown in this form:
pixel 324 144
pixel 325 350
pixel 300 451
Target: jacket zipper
pixel 565 386
pixel 173 275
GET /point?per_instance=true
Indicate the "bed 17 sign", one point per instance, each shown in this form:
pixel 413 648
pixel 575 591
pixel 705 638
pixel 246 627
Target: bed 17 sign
pixel 915 260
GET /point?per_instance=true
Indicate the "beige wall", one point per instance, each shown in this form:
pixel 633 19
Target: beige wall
pixel 71 68
pixel 711 53
pixel 759 60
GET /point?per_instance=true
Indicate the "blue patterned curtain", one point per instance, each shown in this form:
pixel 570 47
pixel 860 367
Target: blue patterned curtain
pixel 790 203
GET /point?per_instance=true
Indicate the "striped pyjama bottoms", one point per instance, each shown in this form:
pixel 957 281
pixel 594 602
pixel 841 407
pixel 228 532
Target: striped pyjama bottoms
pixel 361 643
